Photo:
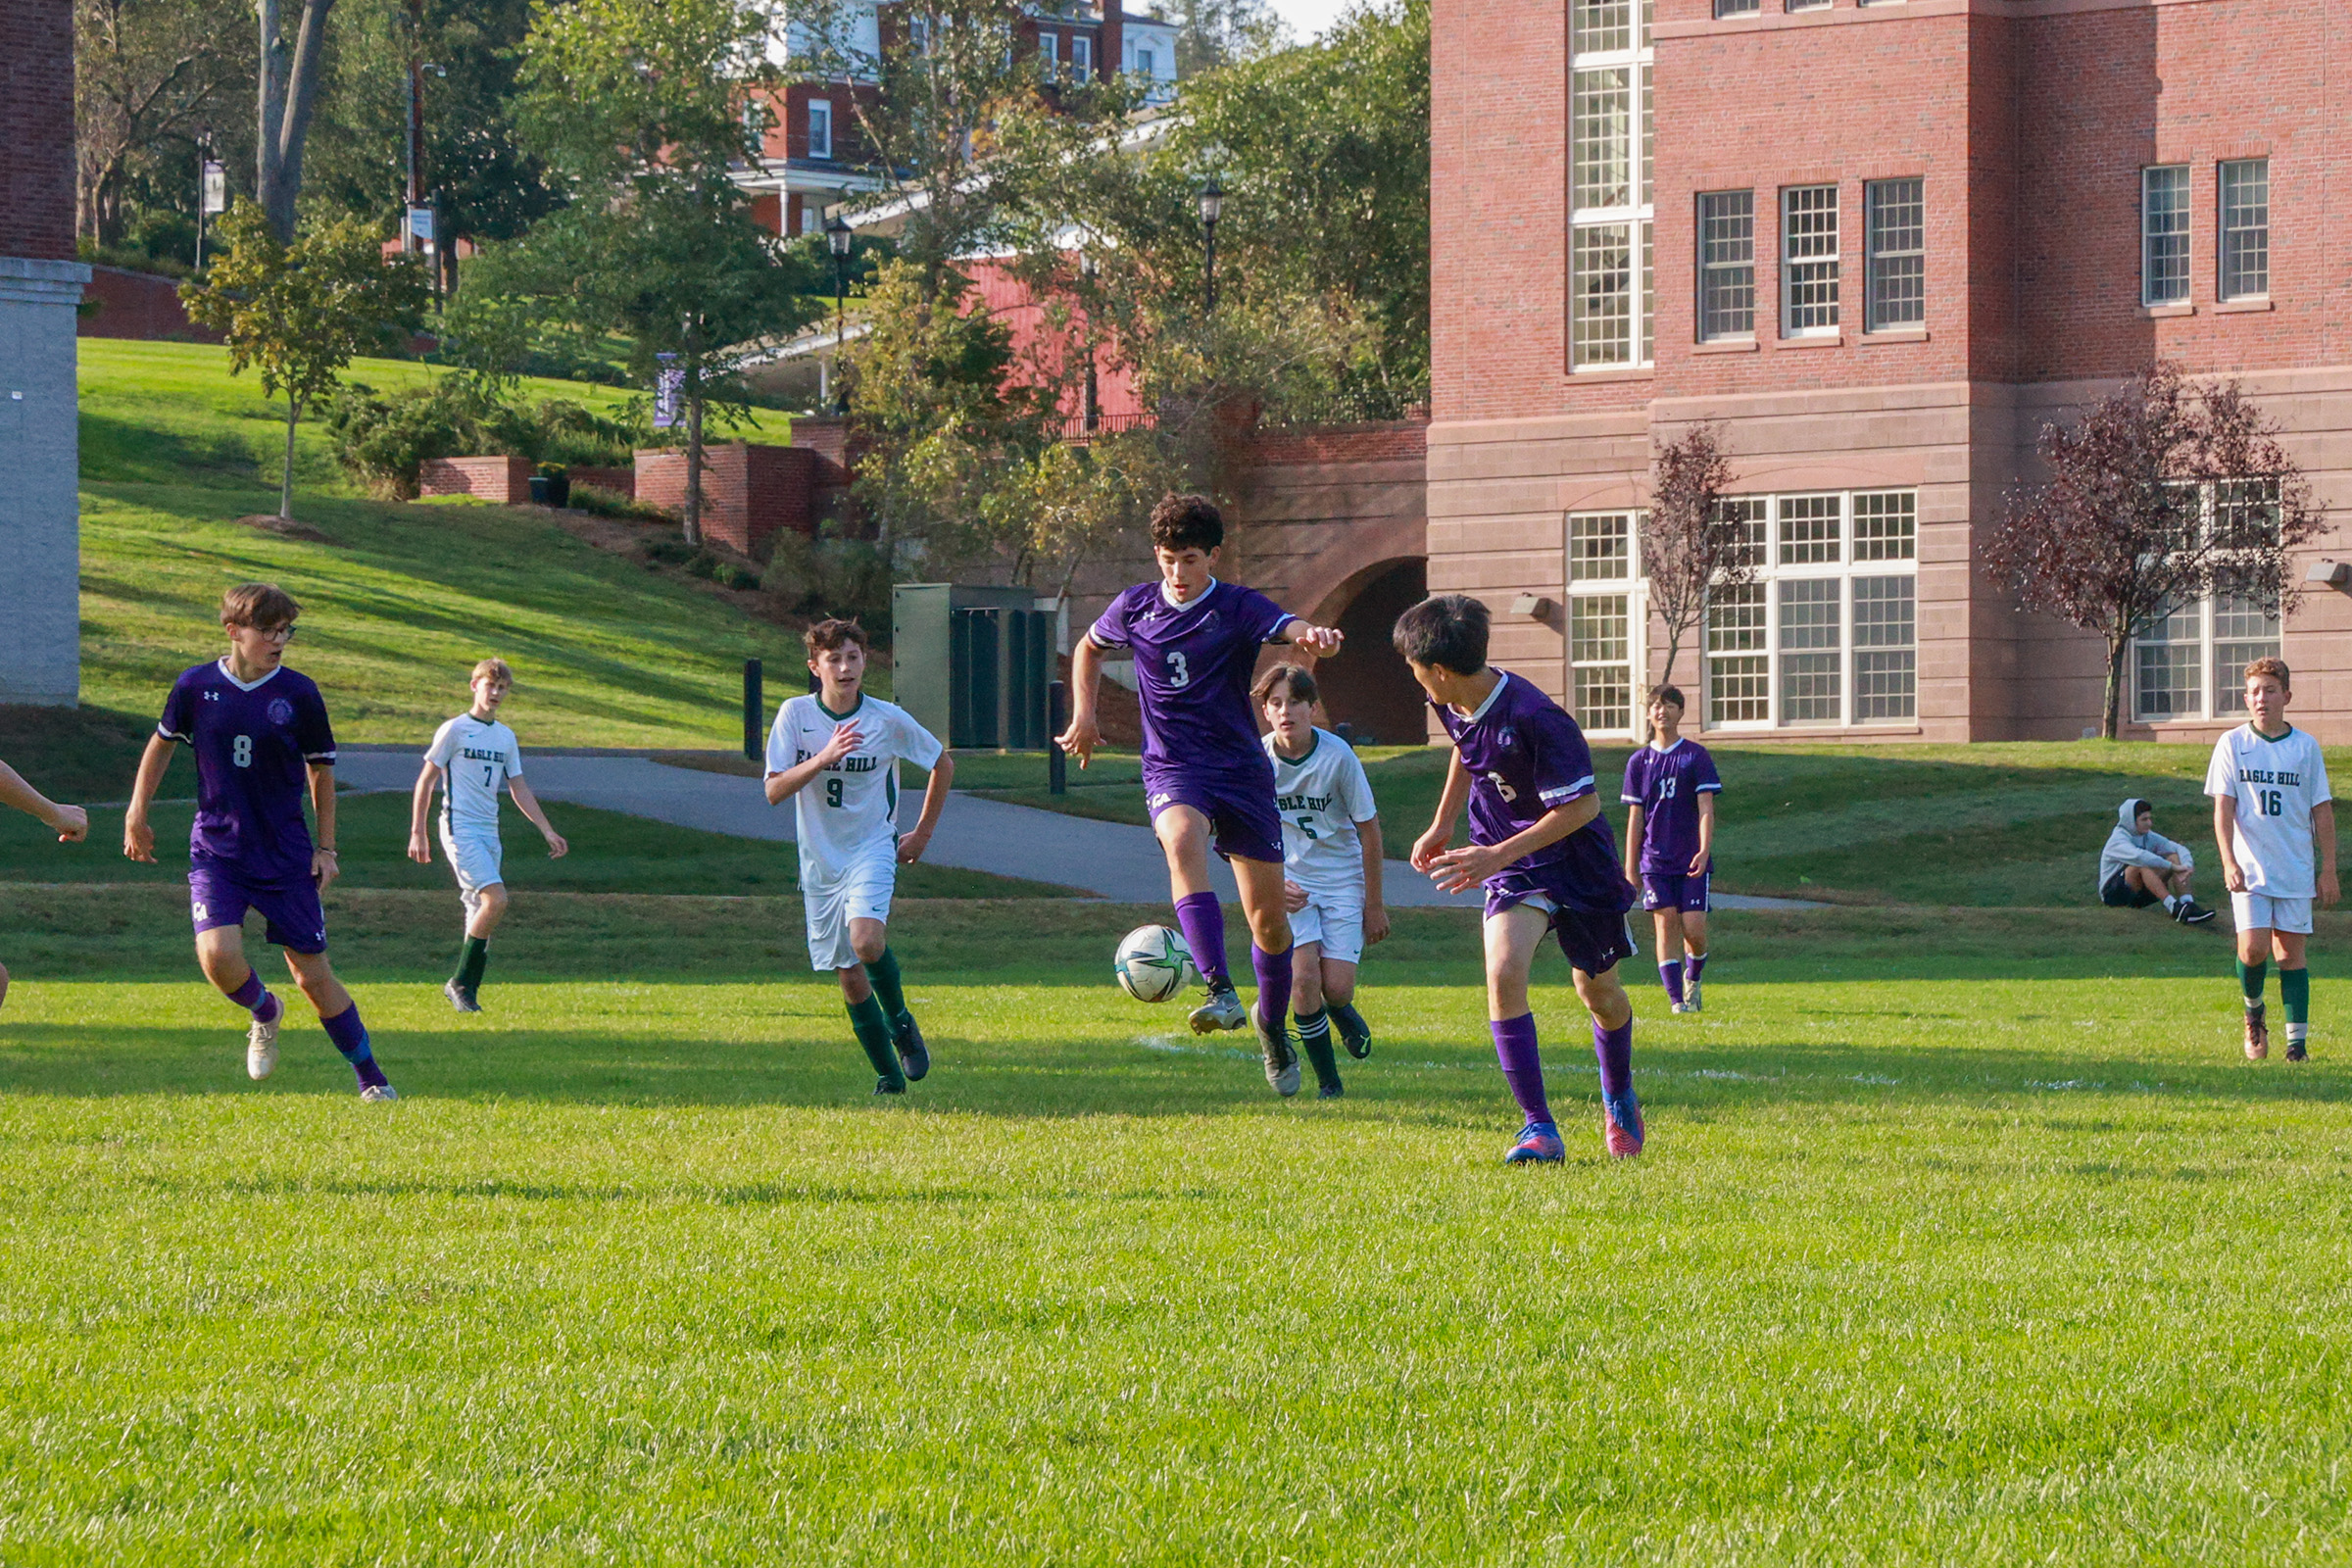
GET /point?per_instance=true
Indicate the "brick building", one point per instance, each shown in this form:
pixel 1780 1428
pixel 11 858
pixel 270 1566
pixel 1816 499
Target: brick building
pixel 40 284
pixel 1883 244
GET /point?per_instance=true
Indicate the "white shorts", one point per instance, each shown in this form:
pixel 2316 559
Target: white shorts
pixel 2253 911
pixel 1336 922
pixel 833 898
pixel 478 859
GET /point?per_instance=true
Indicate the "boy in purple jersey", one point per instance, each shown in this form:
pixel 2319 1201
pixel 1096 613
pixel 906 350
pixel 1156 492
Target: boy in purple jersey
pixel 261 741
pixel 1670 787
pixel 1540 845
pixel 1206 771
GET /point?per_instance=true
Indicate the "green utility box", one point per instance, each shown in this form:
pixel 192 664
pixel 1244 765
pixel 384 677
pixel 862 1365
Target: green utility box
pixel 973 664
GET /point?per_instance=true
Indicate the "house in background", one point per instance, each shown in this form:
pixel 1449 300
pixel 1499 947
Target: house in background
pixel 1883 244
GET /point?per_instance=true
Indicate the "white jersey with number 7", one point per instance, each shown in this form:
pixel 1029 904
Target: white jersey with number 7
pixel 2277 781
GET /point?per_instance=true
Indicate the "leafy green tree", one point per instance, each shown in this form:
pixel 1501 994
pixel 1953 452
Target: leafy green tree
pixel 634 106
pixel 299 313
pixel 146 75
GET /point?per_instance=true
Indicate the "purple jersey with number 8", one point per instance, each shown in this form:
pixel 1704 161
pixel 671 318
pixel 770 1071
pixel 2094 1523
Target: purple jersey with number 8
pixel 1193 666
pixel 253 745
pixel 1526 757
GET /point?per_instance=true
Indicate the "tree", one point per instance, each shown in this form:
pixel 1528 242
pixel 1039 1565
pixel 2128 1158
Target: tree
pixel 1693 548
pixel 300 313
pixel 289 95
pixel 635 108
pixel 146 73
pixel 2166 494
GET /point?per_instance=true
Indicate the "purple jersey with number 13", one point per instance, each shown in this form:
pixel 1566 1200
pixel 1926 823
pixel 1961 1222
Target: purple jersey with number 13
pixel 1526 757
pixel 1193 665
pixel 1667 785
pixel 253 747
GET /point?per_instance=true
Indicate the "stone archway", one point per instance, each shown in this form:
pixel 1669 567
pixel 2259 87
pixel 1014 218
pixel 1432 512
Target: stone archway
pixel 1369 686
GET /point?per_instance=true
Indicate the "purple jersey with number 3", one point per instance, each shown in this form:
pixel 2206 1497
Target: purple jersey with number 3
pixel 1526 757
pixel 253 745
pixel 1193 665
pixel 1667 785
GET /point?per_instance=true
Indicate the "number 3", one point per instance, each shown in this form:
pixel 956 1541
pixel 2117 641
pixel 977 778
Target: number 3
pixel 1180 672
pixel 240 751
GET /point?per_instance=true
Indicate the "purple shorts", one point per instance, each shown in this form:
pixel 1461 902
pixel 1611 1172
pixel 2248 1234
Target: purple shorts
pixel 218 897
pixel 1240 808
pixel 1593 942
pixel 1676 890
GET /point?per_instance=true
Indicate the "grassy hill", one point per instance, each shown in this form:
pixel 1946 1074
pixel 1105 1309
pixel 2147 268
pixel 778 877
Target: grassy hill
pixel 399 600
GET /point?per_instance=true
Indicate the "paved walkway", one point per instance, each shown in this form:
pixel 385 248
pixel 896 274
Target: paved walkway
pixel 1108 859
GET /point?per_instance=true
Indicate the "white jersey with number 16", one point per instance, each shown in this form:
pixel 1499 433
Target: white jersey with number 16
pixel 852 807
pixel 2275 780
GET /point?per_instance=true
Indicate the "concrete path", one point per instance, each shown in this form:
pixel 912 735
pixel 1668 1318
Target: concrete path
pixel 1106 860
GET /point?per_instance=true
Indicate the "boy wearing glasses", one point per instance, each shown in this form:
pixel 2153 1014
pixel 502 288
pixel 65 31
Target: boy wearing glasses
pixel 261 741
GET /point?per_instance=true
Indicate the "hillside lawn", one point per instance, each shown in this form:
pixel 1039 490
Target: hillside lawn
pixel 1963 1237
pixel 400 601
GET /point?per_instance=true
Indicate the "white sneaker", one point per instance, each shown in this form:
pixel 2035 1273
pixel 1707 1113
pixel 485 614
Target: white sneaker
pixel 1222 1010
pixel 1690 995
pixel 376 1094
pixel 260 1047
pixel 1282 1062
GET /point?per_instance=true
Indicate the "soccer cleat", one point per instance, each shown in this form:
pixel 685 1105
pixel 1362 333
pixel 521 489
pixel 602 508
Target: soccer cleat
pixel 380 1094
pixel 914 1059
pixel 1222 1010
pixel 1357 1042
pixel 1678 1007
pixel 885 1086
pixel 2258 1035
pixel 1690 995
pixel 2296 1050
pixel 1330 1091
pixel 1282 1062
pixel 460 998
pixel 1538 1144
pixel 261 1044
pixel 2192 912
pixel 1621 1125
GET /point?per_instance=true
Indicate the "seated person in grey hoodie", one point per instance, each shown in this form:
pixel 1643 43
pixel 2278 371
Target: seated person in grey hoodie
pixel 2140 866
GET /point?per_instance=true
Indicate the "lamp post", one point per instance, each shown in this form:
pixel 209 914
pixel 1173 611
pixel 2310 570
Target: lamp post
pixel 837 239
pixel 1212 204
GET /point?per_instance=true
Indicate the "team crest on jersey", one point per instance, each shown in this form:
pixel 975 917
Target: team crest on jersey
pixel 281 712
pixel 1507 738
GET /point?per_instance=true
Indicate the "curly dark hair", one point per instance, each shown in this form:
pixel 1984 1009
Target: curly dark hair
pixel 1187 522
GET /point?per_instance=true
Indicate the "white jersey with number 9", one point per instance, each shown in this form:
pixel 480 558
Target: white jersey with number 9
pixel 2276 781
pixel 853 807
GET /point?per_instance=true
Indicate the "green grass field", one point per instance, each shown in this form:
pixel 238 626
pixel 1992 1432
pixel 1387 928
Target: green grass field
pixel 1963 1237
pixel 399 600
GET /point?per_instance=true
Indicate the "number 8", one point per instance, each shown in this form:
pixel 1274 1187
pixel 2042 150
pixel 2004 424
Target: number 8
pixel 240 751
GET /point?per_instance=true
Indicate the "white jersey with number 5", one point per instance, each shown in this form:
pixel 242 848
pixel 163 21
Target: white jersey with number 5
pixel 847 811
pixel 1321 797
pixel 478 758
pixel 2276 781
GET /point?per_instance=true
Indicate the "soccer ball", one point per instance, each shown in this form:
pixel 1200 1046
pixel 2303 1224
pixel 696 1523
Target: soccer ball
pixel 1154 963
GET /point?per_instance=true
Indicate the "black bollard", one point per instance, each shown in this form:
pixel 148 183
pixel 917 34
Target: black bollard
pixel 1058 720
pixel 754 711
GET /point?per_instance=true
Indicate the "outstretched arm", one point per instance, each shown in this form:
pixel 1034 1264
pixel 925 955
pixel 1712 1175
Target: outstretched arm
pixel 935 801
pixel 420 806
pixel 69 822
pixel 1459 870
pixel 528 805
pixel 1320 641
pixel 139 837
pixel 1086 683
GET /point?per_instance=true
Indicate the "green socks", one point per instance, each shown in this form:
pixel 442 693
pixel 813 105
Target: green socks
pixel 884 973
pixel 470 959
pixel 1314 1033
pixel 2294 989
pixel 2250 977
pixel 873 1033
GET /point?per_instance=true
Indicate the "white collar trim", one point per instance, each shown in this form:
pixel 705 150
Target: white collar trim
pixel 1501 677
pixel 246 686
pixel 1169 597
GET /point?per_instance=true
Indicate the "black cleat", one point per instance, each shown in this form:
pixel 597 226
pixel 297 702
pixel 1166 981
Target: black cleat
pixel 912 1058
pixel 2296 1050
pixel 890 1086
pixel 1330 1091
pixel 1357 1041
pixel 2192 912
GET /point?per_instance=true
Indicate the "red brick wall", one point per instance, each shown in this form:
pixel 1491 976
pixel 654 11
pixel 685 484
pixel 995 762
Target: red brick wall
pixel 136 305
pixel 506 481
pixel 749 492
pixel 36 129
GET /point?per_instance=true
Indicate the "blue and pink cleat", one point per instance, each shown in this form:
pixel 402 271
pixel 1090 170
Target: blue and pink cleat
pixel 1538 1141
pixel 1621 1125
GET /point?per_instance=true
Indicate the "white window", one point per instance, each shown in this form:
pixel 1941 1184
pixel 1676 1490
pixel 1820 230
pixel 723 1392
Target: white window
pixel 1601 615
pixel 821 128
pixel 1894 284
pixel 1738 8
pixel 1727 265
pixel 1808 260
pixel 1049 54
pixel 811 222
pixel 2188 664
pixel 2164 235
pixel 1082 54
pixel 1826 634
pixel 1808 5
pixel 2244 190
pixel 1147 63
pixel 1610 183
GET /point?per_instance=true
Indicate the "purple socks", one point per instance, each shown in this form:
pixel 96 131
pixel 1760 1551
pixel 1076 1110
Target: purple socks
pixel 1615 1048
pixel 249 995
pixel 1692 962
pixel 1273 984
pixel 351 1037
pixel 1203 920
pixel 1670 973
pixel 1522 1064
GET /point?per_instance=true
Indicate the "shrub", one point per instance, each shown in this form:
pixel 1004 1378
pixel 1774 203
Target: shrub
pixel 828 576
pixel 603 503
pixel 670 552
pixel 385 442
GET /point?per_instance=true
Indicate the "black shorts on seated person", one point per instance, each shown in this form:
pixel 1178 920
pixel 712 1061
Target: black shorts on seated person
pixel 2120 892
